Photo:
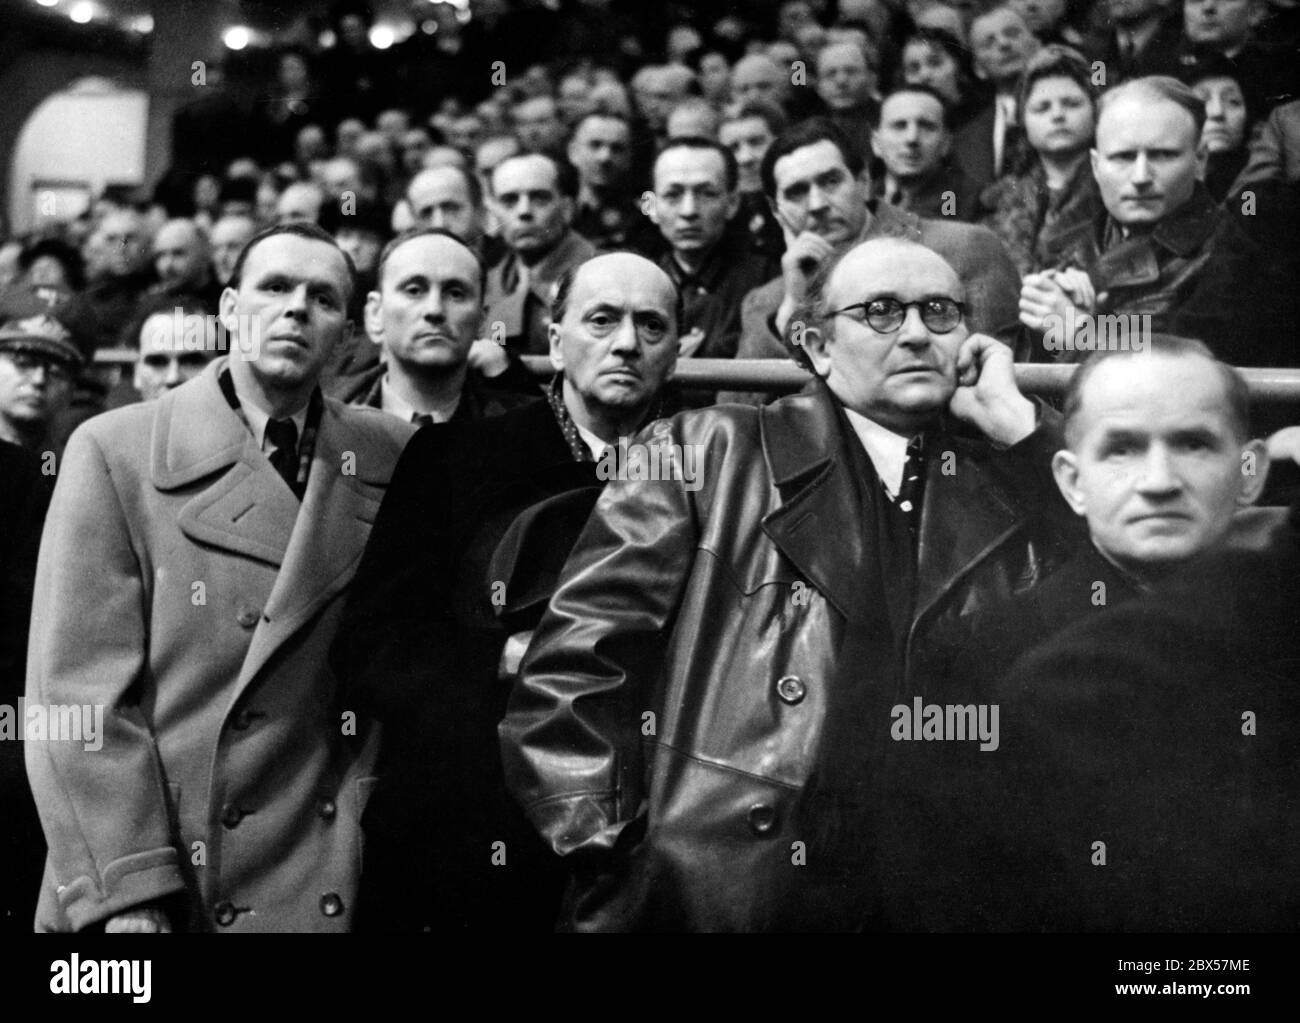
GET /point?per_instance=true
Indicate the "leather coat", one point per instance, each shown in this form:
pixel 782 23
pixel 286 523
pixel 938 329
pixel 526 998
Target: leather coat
pixel 674 699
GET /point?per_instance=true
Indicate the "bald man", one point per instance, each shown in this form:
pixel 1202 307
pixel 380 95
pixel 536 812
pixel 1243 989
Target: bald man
pixel 465 550
pixel 182 258
pixel 1164 257
pixel 699 701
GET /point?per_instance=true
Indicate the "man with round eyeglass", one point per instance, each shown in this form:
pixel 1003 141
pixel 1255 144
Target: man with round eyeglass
pixel 759 618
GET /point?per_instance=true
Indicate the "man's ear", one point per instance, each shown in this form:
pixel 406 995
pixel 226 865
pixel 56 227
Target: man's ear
pixel 557 356
pixel 373 318
pixel 1065 470
pixel 1094 158
pixel 1202 160
pixel 226 306
pixel 1254 472
pixel 567 209
pixel 813 339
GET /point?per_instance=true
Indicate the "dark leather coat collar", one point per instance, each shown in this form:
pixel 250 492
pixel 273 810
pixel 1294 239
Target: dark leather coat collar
pixel 966 515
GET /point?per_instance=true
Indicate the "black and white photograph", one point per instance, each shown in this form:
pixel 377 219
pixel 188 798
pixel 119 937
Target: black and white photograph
pixel 479 472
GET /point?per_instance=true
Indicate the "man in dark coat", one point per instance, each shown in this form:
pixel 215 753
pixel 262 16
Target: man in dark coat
pixel 450 587
pixel 1146 778
pixel 700 709
pixel 1159 460
pixel 1163 249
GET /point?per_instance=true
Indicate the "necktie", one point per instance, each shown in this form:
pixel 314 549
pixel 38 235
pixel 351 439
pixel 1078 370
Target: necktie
pixel 909 490
pixel 283 436
pixel 421 419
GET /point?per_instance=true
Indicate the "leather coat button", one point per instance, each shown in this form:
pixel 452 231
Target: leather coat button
pixel 224 913
pixel 232 816
pixel 247 616
pixel 762 818
pixel 791 688
pixel 331 904
pixel 327 809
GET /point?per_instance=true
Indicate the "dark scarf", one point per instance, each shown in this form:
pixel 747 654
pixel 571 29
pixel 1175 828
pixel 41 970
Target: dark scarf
pixel 577 446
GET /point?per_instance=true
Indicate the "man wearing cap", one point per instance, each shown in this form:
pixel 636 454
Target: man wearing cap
pixel 39 361
pixel 189 583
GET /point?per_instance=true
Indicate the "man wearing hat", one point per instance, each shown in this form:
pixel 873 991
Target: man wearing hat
pixel 39 361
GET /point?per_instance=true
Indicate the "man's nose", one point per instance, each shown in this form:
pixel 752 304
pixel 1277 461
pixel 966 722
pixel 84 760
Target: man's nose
pixel 689 207
pixel 1141 170
pixel 817 199
pixel 432 306
pixel 1213 108
pixel 296 302
pixel 625 337
pixel 913 332
pixel 173 374
pixel 524 208
pixel 1158 476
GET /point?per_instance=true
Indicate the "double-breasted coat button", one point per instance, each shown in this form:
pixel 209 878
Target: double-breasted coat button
pixel 327 809
pixel 331 904
pixel 247 616
pixel 791 688
pixel 762 818
pixel 224 913
pixel 232 816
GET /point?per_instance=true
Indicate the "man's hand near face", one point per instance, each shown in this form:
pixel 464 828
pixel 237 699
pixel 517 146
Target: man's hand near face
pixel 987 396
pixel 805 254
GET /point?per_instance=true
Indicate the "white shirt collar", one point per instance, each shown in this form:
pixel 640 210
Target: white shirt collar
pixel 392 402
pixel 886 449
pixel 594 443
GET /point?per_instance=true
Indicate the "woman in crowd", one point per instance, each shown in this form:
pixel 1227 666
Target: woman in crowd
pixel 1229 121
pixel 1057 105
pixel 934 57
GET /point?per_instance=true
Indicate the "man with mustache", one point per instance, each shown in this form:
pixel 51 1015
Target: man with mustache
pixel 533 195
pixel 481 516
pixel 709 688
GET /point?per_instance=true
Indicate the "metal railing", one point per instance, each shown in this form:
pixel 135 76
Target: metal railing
pixel 780 376
pixel 1267 385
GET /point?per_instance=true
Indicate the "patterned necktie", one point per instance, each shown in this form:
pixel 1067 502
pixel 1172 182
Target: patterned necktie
pixel 909 490
pixel 283 436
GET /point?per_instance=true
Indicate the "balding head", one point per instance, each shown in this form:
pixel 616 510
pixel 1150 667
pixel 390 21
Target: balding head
pixel 759 77
pixel 898 374
pixel 844 78
pixel 182 256
pixel 449 198
pixel 300 201
pixel 613 334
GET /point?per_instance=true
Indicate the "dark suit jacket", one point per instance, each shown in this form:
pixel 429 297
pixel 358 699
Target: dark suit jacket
pixel 1162 727
pixel 24 496
pixel 973 146
pixel 419 648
